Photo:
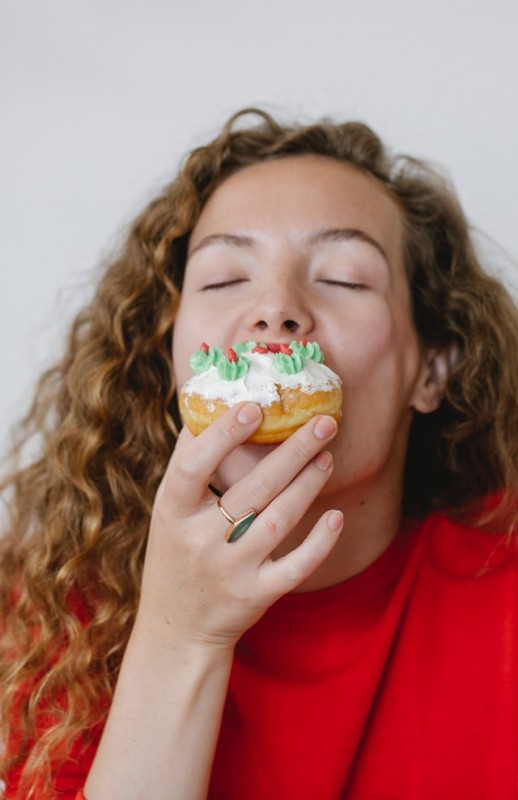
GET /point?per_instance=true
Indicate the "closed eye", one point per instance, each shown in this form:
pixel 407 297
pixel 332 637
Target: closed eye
pixel 223 284
pixel 345 284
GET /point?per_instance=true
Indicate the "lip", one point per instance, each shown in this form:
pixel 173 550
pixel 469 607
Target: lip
pixel 275 347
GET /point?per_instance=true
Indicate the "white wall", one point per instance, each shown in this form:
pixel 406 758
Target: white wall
pixel 99 99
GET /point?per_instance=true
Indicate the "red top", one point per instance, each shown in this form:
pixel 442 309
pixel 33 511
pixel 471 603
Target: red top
pixel 399 683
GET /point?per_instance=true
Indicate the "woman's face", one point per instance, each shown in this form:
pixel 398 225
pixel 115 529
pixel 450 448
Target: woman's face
pixel 309 247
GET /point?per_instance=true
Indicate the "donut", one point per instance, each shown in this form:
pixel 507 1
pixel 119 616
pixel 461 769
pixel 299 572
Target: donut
pixel 290 383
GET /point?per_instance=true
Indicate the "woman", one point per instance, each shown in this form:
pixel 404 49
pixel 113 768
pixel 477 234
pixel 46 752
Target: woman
pixel 143 655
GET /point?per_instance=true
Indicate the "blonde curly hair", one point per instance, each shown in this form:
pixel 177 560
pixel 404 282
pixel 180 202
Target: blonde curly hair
pixel 106 421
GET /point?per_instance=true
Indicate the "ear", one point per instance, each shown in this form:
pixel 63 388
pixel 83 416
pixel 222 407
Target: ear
pixel 436 368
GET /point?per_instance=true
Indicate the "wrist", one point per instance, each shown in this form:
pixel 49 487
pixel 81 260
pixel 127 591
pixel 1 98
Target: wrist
pixel 164 720
pixel 162 642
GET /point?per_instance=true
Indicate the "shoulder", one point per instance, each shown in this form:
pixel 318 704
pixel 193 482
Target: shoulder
pixel 458 548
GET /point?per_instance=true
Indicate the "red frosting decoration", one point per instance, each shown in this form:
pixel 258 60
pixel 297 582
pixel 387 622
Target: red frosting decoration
pixel 286 350
pixel 204 347
pixel 231 354
pixel 260 348
pixel 303 342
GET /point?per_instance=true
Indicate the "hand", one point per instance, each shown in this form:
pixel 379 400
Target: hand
pixel 199 594
pixel 197 588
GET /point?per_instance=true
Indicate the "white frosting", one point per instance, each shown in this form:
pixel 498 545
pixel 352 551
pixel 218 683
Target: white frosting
pixel 260 383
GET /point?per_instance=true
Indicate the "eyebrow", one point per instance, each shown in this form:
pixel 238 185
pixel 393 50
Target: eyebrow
pixel 322 236
pixel 230 239
pixel 345 235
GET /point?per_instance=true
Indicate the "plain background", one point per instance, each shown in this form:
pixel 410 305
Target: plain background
pixel 100 99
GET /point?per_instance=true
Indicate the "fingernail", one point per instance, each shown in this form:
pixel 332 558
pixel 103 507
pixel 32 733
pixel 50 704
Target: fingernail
pixel 324 428
pixel 248 413
pixel 323 460
pixel 335 520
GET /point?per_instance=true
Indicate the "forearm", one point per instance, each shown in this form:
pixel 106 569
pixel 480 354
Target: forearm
pixel 162 729
pixel 199 594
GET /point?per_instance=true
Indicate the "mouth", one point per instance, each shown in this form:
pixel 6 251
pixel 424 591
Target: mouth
pixel 276 347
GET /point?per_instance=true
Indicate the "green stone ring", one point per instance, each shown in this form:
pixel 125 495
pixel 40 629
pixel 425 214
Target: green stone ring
pixel 238 525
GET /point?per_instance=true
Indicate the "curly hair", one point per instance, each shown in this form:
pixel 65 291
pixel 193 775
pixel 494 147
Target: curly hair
pixel 106 421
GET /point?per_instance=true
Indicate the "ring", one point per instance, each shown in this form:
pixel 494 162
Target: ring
pixel 238 525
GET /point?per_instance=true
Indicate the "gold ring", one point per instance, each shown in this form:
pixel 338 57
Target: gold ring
pixel 238 525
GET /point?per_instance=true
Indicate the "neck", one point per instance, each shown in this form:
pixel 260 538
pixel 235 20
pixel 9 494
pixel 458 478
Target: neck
pixel 372 519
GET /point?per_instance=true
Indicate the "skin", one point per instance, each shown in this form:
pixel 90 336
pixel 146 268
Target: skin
pixel 281 281
pixel 281 278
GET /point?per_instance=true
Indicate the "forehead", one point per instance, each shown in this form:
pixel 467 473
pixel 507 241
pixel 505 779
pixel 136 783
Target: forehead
pixel 290 196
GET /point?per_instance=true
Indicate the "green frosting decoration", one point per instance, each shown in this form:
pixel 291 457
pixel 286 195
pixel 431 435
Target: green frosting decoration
pixel 201 361
pixel 232 370
pixel 229 370
pixel 290 365
pixel 243 347
pixel 309 350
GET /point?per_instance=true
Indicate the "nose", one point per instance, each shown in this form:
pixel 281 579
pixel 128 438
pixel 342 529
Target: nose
pixel 280 311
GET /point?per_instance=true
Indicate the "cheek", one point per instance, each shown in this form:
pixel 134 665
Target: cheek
pixel 196 322
pixel 379 370
pixel 366 349
pixel 380 341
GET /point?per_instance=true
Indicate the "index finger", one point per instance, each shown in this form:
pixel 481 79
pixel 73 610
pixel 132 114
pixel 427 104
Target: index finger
pixel 194 461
